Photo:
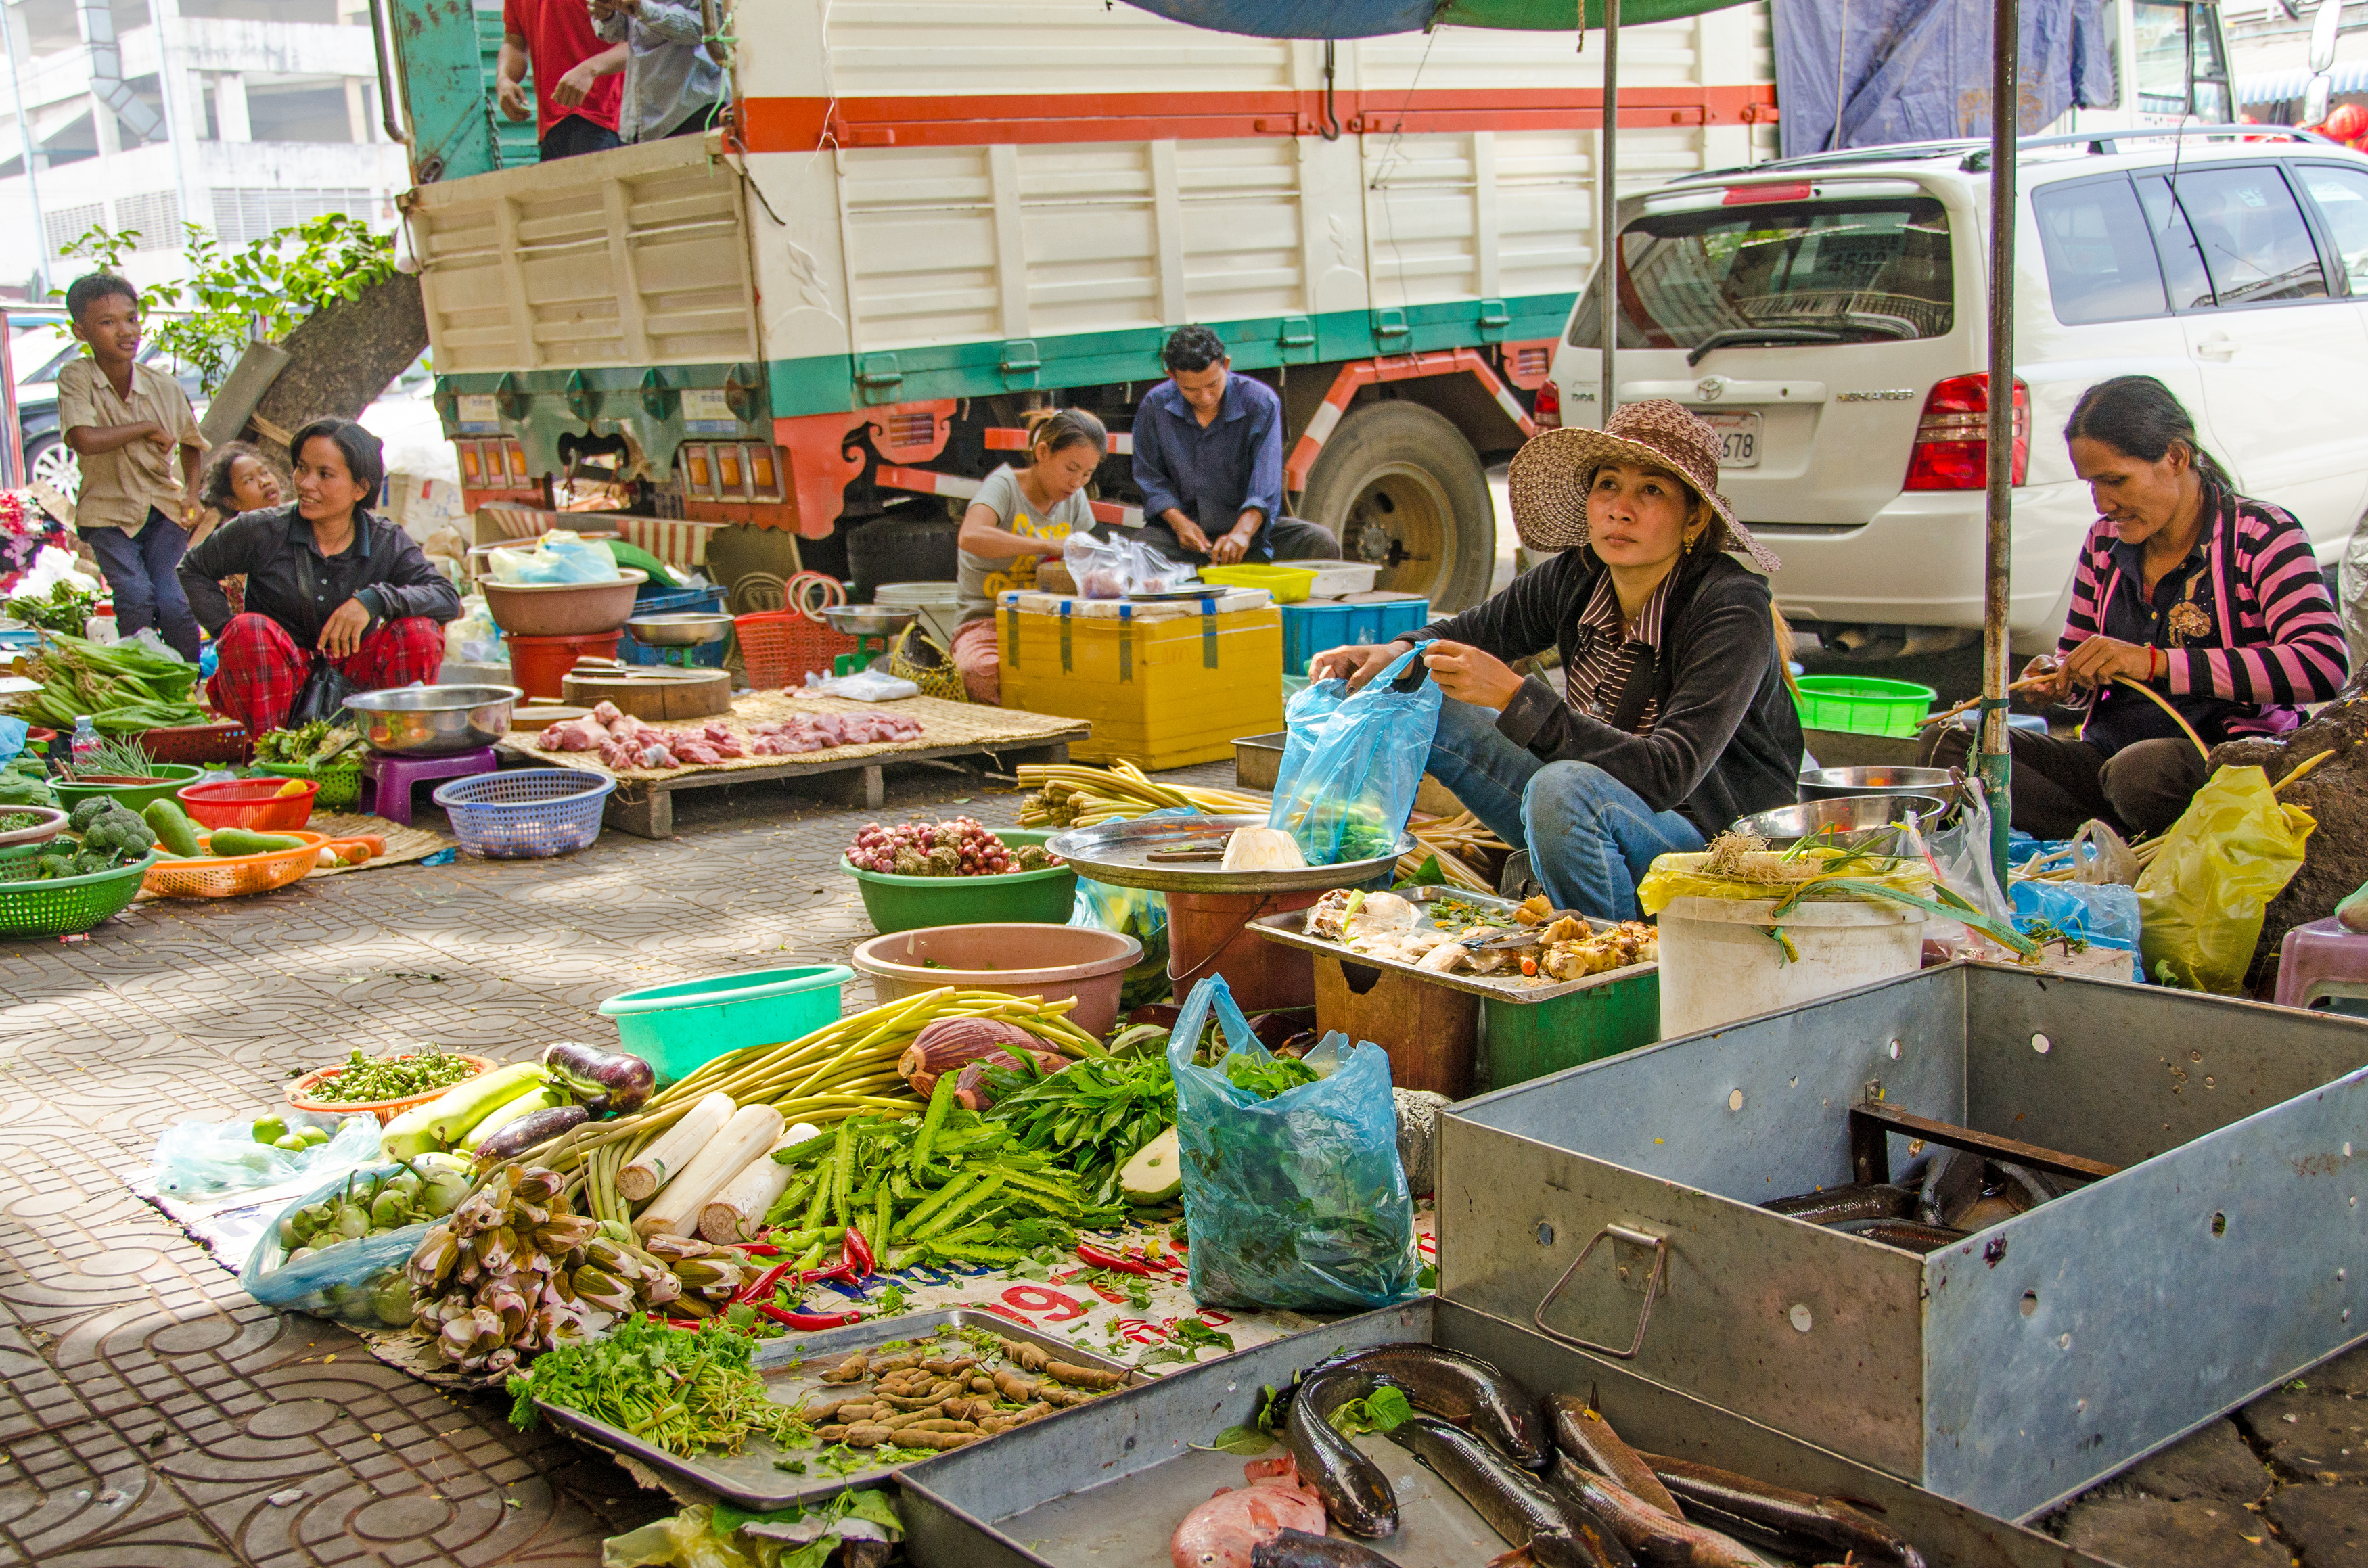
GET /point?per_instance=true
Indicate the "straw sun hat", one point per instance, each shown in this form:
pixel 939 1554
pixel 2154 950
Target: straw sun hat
pixel 1548 481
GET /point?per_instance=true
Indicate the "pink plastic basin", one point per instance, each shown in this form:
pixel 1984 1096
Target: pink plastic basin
pixel 1051 961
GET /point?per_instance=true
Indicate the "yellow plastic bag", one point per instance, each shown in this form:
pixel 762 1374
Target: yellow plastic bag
pixel 2221 864
pixel 1770 874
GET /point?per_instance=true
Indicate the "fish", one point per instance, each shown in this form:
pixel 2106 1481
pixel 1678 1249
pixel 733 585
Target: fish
pixel 1557 1529
pixel 1665 1540
pixel 1860 1201
pixel 1825 1520
pixel 1440 1382
pixel 1225 1531
pixel 1584 1435
pixel 1952 1182
pixel 1908 1235
pixel 1297 1548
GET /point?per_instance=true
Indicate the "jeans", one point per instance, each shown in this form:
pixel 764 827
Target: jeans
pixel 1590 837
pixel 143 581
pixel 2059 784
pixel 574 135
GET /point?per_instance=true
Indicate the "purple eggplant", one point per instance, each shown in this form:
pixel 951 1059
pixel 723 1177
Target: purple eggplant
pixel 514 1138
pixel 616 1082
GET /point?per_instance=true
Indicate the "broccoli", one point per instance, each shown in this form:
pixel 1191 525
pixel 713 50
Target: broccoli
pixel 102 837
pixel 51 866
pixel 87 862
pixel 87 812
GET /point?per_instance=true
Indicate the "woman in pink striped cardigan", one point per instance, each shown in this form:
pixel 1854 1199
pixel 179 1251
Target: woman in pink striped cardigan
pixel 2210 598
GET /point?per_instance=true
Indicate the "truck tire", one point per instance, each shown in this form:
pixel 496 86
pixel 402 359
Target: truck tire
pixel 909 544
pixel 1401 488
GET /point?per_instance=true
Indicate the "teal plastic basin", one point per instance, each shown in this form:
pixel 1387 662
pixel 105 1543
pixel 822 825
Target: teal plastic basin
pixel 680 1029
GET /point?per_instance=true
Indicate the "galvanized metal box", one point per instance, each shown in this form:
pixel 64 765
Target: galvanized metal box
pixel 1108 1484
pixel 2008 1372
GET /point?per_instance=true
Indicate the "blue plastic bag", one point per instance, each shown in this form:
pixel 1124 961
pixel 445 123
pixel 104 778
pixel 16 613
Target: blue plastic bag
pixel 2103 915
pixel 1297 1201
pixel 1303 718
pixel 339 1281
pixel 1350 797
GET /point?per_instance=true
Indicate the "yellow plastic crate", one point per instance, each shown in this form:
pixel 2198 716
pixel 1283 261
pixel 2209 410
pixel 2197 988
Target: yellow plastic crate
pixel 1160 692
pixel 1288 585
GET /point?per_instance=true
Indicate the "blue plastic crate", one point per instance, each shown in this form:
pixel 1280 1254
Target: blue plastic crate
pixel 707 656
pixel 1309 628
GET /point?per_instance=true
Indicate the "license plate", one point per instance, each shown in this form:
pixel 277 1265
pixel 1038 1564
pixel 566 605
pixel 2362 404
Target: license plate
pixel 1738 439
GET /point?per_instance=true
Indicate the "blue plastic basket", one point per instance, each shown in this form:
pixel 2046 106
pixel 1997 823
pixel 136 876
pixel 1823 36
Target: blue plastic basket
pixel 707 655
pixel 526 813
pixel 1309 628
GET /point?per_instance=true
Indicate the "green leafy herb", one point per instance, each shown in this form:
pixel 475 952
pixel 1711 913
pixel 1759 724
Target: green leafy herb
pixel 1187 1337
pixel 1090 1117
pixel 1247 1442
pixel 681 1389
pixel 64 608
pixel 1267 1077
pixel 1377 1412
pixel 1426 875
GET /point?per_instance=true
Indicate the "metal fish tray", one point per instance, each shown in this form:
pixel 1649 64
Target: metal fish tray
pixel 2008 1370
pixel 1116 853
pixel 792 1367
pixel 1110 1484
pixel 1289 929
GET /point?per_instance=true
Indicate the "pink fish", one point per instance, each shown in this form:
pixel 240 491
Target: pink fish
pixel 1223 1531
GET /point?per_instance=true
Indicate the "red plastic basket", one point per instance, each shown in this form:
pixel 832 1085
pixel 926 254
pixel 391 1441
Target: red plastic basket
pixel 225 742
pixel 779 646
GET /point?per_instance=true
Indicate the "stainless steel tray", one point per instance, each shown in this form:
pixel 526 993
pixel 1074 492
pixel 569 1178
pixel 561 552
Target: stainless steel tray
pixel 1109 1486
pixel 792 1367
pixel 2014 1368
pixel 1290 930
pixel 1114 853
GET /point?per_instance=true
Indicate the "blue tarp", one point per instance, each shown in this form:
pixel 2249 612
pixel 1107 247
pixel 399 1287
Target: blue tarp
pixel 1920 70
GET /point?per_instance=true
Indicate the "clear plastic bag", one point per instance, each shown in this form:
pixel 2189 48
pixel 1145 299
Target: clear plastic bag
pixel 359 1279
pixel 1113 568
pixel 1297 1201
pixel 1138 913
pixel 1351 796
pixel 863 686
pixel 2234 850
pixel 1961 855
pixel 201 1158
pixel 559 556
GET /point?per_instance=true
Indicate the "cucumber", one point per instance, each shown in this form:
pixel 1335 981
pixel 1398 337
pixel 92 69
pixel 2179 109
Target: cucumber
pixel 446 1119
pixel 1156 1174
pixel 228 842
pixel 538 1096
pixel 174 829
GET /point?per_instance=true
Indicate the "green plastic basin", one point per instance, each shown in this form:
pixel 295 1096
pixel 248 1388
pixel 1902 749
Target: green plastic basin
pixel 169 777
pixel 1016 898
pixel 680 1029
pixel 1863 705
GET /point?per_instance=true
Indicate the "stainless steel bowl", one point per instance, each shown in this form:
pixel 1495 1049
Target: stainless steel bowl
pixel 1832 783
pixel 433 720
pixel 869 620
pixel 1839 817
pixel 679 629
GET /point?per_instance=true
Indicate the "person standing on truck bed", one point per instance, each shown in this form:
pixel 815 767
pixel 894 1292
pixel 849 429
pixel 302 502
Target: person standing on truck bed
pixel 1208 458
pixel 125 420
pixel 672 87
pixel 576 91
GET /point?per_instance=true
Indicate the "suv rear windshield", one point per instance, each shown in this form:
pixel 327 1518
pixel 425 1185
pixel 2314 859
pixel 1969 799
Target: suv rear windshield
pixel 1781 272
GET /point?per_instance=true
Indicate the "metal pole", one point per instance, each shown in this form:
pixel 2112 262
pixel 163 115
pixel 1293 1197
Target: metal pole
pixel 1999 555
pixel 12 434
pixel 1607 226
pixel 24 137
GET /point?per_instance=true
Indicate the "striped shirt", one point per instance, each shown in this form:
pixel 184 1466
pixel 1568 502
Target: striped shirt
pixel 2273 643
pixel 1599 671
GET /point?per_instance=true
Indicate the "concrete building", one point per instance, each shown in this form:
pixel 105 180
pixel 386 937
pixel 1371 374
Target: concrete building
pixel 243 116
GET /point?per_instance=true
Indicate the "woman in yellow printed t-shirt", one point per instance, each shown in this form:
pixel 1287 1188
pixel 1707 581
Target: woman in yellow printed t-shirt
pixel 1015 514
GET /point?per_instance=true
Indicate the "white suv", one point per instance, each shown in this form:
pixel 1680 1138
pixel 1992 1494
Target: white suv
pixel 1829 313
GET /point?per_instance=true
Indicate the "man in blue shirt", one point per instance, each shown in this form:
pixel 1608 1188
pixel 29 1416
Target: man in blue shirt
pixel 1208 458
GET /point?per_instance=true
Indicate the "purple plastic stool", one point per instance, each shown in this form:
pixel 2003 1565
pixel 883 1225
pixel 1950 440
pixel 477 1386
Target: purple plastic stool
pixel 387 781
pixel 2322 960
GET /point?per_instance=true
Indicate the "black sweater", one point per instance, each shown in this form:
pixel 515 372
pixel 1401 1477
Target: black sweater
pixel 289 581
pixel 1727 740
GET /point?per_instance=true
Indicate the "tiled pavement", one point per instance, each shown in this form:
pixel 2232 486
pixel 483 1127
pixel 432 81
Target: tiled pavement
pixel 152 1416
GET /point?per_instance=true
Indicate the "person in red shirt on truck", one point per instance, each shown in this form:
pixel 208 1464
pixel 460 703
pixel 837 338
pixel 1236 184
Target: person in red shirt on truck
pixel 577 86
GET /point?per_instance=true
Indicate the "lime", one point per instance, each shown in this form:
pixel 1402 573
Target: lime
pixel 270 1129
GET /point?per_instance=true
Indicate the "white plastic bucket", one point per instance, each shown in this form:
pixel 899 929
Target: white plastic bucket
pixel 1719 962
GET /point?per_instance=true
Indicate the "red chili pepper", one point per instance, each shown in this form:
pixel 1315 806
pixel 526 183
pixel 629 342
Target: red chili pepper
pixel 806 1322
pixel 1089 1254
pixel 838 1271
pixel 761 1288
pixel 759 1249
pixel 857 1254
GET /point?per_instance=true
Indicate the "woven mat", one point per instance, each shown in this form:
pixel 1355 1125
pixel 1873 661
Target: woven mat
pixel 942 724
pixel 404 844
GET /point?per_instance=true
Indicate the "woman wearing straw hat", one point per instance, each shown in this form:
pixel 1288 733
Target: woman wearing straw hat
pixel 1674 720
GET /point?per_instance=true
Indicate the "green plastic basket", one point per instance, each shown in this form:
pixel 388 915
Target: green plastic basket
pixel 340 782
pixel 680 1029
pixel 1861 705
pixel 171 776
pixel 1016 898
pixel 69 904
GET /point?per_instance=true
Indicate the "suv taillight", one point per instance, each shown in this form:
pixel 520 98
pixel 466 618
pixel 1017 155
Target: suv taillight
pixel 1545 413
pixel 1951 448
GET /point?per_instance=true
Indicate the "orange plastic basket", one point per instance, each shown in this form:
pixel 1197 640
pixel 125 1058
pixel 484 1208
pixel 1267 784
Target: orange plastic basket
pixel 299 1093
pixel 235 876
pixel 778 646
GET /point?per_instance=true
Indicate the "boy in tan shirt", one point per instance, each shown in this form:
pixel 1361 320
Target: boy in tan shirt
pixel 123 419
